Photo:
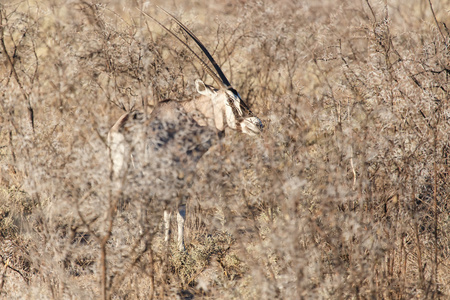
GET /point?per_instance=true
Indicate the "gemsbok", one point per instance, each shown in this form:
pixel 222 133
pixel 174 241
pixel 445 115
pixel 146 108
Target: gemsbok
pixel 163 148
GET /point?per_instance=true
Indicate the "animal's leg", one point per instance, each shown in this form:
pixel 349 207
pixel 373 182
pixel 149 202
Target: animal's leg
pixel 181 217
pixel 167 216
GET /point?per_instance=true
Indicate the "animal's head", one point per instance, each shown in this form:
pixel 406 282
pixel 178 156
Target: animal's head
pixel 229 105
pixel 226 100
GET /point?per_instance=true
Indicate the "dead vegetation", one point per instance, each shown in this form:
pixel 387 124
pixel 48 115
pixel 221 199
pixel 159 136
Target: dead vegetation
pixel 345 195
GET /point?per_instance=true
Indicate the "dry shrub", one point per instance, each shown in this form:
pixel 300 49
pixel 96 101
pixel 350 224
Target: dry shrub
pixel 344 195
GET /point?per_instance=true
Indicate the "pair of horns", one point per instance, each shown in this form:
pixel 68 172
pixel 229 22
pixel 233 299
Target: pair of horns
pixel 220 79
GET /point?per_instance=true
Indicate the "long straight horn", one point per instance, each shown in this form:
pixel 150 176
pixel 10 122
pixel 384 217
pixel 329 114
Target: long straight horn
pixel 202 63
pixel 200 44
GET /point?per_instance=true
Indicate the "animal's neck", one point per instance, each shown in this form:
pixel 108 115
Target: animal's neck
pixel 206 112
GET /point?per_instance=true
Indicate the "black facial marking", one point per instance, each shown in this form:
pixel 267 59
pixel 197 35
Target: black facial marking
pixel 246 110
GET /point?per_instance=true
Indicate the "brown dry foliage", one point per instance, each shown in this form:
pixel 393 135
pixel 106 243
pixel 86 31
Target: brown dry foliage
pixel 345 194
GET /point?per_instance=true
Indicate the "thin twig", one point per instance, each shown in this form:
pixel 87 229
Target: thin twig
pixel 13 70
pixel 8 266
pixel 435 208
pixel 371 9
pixel 435 20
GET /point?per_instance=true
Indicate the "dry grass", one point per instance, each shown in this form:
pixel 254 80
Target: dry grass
pixel 345 195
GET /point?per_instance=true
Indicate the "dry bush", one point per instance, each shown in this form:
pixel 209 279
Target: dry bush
pixel 344 195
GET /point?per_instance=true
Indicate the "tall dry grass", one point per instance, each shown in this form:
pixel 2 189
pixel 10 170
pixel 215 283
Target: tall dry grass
pixel 345 194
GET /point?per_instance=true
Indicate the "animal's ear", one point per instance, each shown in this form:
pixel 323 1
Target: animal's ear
pixel 202 88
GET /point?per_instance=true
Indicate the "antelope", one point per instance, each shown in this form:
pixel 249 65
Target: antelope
pixel 165 146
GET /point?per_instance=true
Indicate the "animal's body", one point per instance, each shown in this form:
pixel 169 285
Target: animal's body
pixel 163 149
